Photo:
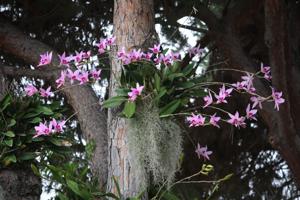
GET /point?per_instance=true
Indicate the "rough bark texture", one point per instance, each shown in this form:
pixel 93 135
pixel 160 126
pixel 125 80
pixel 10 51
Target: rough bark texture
pixel 285 78
pixel 133 28
pixel 82 98
pixel 19 184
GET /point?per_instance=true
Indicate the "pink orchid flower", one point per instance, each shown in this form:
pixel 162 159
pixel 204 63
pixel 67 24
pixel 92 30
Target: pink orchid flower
pixel 195 51
pixel 95 74
pixel 248 81
pixel 257 101
pixel 121 53
pixel 101 46
pixel 135 55
pixel 78 57
pixel 135 92
pixel 266 70
pixel 30 90
pixel 208 100
pixel 42 129
pixel 175 56
pixel 86 54
pixel 147 56
pixel 111 40
pixel 239 85
pixel 83 77
pixel 46 93
pixel 45 59
pixel 196 120
pixel 155 49
pixel 73 76
pixel 250 113
pixel 236 120
pixel 58 126
pixel 214 120
pixel 223 94
pixel 61 80
pixel 166 59
pixel 277 97
pixel 65 60
pixel 203 152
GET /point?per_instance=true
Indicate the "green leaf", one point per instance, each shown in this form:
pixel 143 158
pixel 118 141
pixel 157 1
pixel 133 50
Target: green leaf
pixel 12 123
pixel 161 93
pixel 165 51
pixel 75 188
pixel 170 196
pixel 45 110
pixel 117 186
pixel 9 159
pixel 35 170
pixel 31 114
pixel 122 92
pixel 56 141
pixel 199 93
pixel 169 108
pixel 175 75
pixel 157 82
pixel 9 142
pixel 27 156
pixel 114 101
pixel 129 109
pixel 227 177
pixel 176 65
pixel 9 134
pixel 186 85
pixel 5 102
pixel 100 194
pixel 35 120
pixel 61 196
pixel 187 70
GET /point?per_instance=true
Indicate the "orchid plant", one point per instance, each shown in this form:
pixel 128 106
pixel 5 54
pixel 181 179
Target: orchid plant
pixel 154 74
pixel 157 74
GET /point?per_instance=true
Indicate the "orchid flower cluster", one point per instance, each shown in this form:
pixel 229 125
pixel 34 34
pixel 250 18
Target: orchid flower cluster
pixel 158 57
pixel 236 119
pixel 49 128
pixel 155 54
pixel 79 75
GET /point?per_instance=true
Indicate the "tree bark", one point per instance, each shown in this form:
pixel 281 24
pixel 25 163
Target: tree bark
pixel 133 28
pixel 284 71
pixel 19 184
pixel 91 117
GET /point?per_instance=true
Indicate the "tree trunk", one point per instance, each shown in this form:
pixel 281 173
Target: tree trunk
pixel 19 184
pixel 286 79
pixel 133 28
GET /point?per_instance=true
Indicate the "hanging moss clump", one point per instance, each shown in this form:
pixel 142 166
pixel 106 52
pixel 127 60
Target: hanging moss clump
pixel 155 145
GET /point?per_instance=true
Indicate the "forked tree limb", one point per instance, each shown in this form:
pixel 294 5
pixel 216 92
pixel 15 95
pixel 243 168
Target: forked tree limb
pixel 83 99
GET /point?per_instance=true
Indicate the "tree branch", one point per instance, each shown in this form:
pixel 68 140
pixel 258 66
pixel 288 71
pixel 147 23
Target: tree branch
pixel 83 99
pixel 203 42
pixel 20 72
pixel 192 28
